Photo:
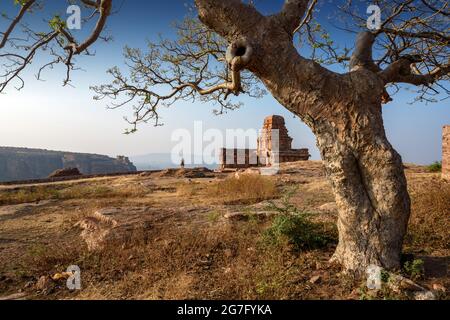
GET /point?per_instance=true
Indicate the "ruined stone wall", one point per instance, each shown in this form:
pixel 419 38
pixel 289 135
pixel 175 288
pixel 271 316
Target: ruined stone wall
pixel 446 153
pixel 238 158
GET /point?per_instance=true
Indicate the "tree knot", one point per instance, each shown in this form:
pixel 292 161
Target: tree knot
pixel 239 54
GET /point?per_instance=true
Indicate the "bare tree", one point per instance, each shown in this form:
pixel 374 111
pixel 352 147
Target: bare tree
pixel 20 42
pixel 235 49
pixel 343 110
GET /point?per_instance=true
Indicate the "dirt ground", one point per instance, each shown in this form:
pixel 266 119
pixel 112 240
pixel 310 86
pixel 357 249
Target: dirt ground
pixel 200 235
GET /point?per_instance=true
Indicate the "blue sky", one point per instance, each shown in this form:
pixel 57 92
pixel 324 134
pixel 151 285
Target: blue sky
pixel 47 115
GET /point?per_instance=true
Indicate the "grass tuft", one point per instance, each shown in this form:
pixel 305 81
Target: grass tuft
pixel 248 189
pixel 295 227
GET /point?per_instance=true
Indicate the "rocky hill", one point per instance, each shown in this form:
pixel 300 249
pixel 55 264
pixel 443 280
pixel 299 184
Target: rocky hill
pixel 18 164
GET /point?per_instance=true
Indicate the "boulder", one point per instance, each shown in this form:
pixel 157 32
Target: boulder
pixel 97 229
pixel 45 284
pixel 68 172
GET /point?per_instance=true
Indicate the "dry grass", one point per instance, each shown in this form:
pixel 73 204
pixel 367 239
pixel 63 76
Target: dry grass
pixel 67 192
pixel 220 262
pixel 430 224
pixel 247 189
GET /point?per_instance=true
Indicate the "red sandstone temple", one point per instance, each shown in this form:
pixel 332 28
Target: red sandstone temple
pixel 274 146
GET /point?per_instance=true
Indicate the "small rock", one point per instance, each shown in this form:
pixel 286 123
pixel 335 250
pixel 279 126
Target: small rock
pixel 228 253
pixel 328 207
pixel 399 284
pixel 168 243
pixel 45 284
pixel 438 287
pixel 16 296
pixel 355 294
pixel 409 285
pixel 314 279
pixel 424 296
pixel 107 212
pixel 236 216
pixel 206 262
pixel 98 228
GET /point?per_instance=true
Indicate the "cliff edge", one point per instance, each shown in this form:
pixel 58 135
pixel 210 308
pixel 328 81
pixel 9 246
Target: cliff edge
pixel 17 164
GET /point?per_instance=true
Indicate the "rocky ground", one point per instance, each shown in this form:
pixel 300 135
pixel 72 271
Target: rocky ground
pixel 183 234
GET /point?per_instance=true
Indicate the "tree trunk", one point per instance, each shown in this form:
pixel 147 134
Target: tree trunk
pixel 370 186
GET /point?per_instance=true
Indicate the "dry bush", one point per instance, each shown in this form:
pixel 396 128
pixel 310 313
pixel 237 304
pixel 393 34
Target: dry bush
pixel 247 189
pixel 430 222
pixel 189 189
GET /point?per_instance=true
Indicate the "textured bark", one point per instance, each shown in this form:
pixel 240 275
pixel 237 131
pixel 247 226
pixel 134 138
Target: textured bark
pixel 344 112
pixel 368 180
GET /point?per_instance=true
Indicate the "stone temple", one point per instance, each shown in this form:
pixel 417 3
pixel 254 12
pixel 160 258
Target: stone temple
pixel 274 146
pixel 446 153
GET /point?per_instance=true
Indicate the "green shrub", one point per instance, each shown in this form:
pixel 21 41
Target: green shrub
pixel 435 167
pixel 213 216
pixel 414 269
pixel 295 227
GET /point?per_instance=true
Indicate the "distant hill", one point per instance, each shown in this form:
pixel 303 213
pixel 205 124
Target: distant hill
pixel 159 161
pixel 18 164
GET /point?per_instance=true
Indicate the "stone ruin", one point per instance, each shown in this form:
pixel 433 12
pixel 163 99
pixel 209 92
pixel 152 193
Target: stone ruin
pixel 274 146
pixel 446 153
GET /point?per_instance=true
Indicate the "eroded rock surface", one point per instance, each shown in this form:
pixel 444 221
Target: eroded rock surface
pixel 18 164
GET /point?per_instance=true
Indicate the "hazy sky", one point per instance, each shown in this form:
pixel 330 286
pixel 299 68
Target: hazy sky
pixel 47 115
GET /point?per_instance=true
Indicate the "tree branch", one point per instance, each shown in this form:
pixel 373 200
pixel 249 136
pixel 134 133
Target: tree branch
pixel 104 7
pixel 363 56
pixel 437 36
pixel 15 21
pixel 229 18
pixel 16 53
pixel 292 13
pixel 402 71
pixel 307 17
pixel 182 69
